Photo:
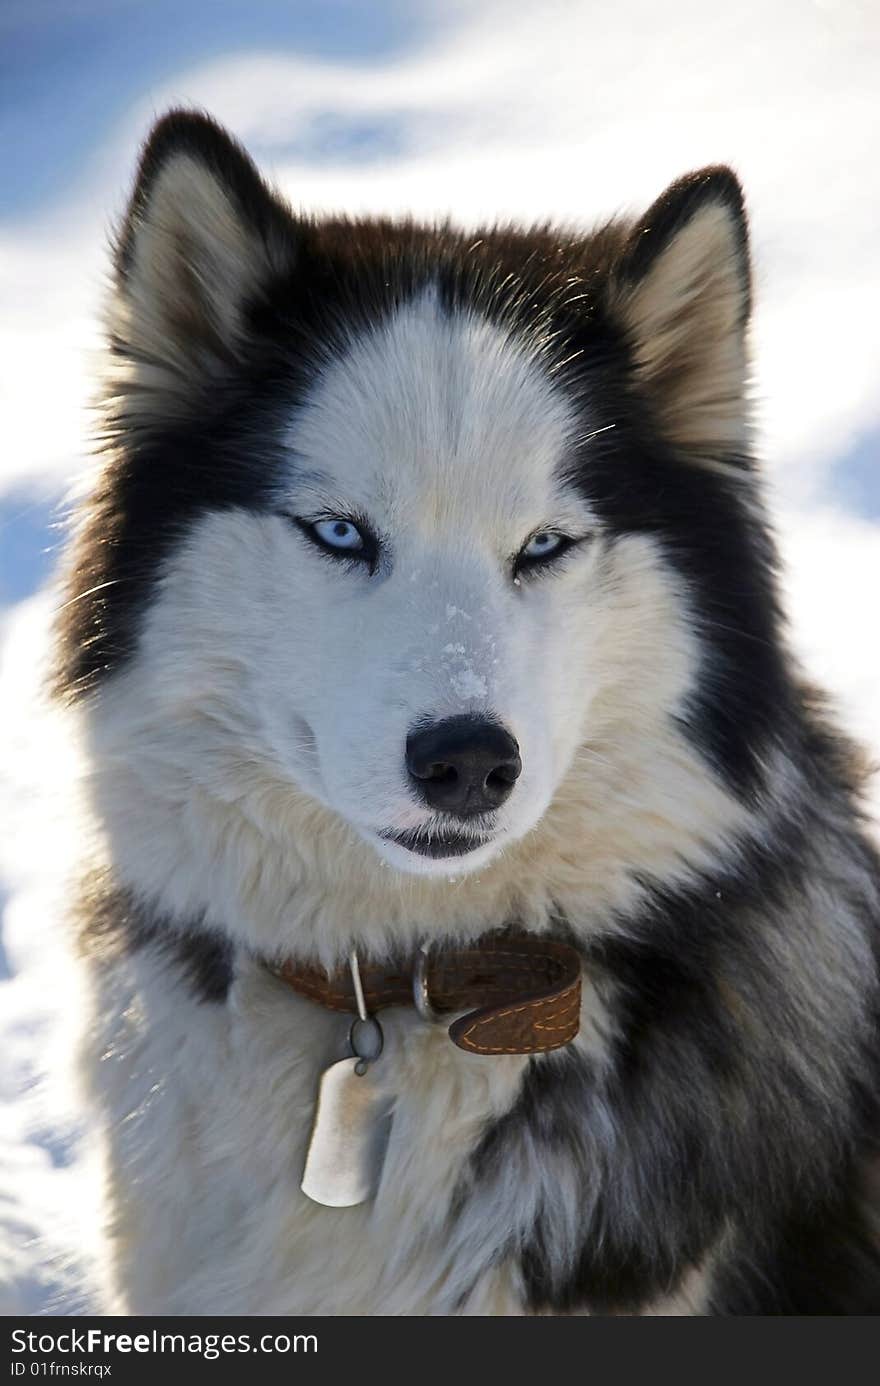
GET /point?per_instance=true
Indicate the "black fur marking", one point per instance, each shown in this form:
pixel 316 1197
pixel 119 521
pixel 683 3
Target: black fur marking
pixel 710 1130
pixel 114 922
pixel 708 532
pixel 208 961
pixel 826 1260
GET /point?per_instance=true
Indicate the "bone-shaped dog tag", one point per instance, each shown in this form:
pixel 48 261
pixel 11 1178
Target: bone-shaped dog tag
pixel 349 1136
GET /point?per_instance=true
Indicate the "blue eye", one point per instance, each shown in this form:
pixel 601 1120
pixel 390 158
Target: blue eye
pixel 543 545
pixel 339 534
pixel 540 551
pixel 338 537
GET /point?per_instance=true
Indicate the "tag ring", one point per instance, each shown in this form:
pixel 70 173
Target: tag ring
pixel 365 1037
pixel 366 1041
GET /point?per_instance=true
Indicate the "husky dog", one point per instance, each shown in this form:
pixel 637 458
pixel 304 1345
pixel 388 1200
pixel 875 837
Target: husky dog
pixel 425 593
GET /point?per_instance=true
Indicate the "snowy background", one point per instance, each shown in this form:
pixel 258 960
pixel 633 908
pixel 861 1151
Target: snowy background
pixel 573 109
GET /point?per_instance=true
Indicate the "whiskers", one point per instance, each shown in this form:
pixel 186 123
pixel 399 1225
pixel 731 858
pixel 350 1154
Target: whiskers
pixel 89 592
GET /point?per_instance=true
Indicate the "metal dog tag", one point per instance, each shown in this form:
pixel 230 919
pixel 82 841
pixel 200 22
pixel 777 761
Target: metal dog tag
pixel 352 1119
pixel 348 1138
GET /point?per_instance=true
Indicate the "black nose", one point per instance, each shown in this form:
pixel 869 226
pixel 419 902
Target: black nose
pixel 463 765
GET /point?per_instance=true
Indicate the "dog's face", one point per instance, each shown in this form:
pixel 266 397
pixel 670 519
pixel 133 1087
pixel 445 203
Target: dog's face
pixel 395 516
pixel 425 670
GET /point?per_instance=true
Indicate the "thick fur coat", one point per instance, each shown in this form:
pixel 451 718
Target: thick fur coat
pixel 359 476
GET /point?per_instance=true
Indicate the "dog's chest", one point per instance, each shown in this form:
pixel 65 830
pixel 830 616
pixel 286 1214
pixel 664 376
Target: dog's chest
pixel 214 1105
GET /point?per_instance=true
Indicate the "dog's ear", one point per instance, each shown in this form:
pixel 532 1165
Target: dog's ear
pixel 201 242
pixel 682 292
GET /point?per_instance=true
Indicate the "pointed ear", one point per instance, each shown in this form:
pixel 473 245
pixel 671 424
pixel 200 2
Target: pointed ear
pixel 682 291
pixel 202 240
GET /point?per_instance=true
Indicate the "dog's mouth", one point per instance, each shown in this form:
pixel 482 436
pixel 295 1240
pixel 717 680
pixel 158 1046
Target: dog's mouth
pixel 436 844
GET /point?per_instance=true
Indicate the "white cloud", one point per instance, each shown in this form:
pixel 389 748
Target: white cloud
pixel 831 566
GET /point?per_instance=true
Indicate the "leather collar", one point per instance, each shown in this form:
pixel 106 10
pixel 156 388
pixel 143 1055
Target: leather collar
pixel 521 993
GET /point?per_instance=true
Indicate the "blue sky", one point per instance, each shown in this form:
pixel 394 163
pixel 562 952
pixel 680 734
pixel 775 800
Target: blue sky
pixel 572 109
pixel 68 70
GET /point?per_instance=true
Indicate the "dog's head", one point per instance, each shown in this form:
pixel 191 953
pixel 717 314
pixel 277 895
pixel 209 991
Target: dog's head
pixel 407 520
